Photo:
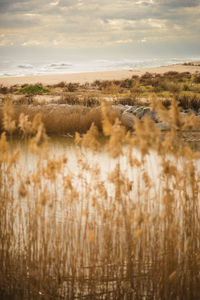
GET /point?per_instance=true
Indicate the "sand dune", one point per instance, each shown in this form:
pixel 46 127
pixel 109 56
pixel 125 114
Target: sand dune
pixel 91 76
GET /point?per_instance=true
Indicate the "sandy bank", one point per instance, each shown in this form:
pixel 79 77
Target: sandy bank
pixel 92 76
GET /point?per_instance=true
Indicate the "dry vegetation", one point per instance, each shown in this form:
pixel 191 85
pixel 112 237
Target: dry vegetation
pixel 74 107
pixel 184 86
pixel 122 224
pixel 57 121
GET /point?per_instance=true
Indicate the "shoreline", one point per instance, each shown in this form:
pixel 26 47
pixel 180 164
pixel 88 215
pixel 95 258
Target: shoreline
pixel 90 77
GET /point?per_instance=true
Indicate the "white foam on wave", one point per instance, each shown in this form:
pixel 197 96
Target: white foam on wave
pixel 25 66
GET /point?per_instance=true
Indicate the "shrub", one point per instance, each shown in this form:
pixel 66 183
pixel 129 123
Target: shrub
pixel 61 84
pixel 6 90
pixel 33 90
pixel 189 101
pixel 197 78
pixel 72 87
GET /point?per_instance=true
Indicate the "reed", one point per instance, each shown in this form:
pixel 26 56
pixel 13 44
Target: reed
pixel 56 119
pixel 122 223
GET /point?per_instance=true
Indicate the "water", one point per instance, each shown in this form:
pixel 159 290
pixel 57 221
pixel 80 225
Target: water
pixel 87 169
pixel 26 67
pixel 68 238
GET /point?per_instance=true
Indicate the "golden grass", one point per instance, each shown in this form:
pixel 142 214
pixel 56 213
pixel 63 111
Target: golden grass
pixel 122 224
pixel 57 120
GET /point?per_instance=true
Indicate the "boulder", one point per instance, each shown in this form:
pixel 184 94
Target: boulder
pixel 131 109
pixel 127 119
pixel 139 112
pixel 152 115
pixel 163 126
pixel 119 108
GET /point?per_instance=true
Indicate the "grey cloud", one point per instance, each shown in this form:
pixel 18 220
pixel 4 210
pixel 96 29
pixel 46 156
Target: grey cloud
pixel 67 3
pixel 6 5
pixel 20 6
pixel 99 20
pixel 18 22
pixel 179 3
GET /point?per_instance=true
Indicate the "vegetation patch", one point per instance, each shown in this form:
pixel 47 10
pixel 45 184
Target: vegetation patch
pixel 33 90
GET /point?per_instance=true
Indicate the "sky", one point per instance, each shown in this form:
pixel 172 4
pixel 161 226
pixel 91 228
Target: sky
pixel 100 27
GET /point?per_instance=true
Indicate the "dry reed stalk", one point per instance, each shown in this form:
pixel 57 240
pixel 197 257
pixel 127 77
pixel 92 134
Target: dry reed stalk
pixel 56 121
pixel 123 223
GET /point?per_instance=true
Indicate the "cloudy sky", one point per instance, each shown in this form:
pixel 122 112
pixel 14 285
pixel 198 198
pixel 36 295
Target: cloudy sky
pixel 87 26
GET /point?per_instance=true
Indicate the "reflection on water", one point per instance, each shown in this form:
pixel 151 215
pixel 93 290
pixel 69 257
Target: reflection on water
pixel 80 224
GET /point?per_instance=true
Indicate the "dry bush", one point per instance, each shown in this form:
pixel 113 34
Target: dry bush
pixel 72 87
pixel 69 98
pixel 90 101
pixel 108 86
pixel 126 101
pixel 111 89
pixel 127 83
pixel 189 101
pixel 177 76
pixel 4 89
pixel 8 90
pixel 197 78
pixel 132 100
pixel 166 103
pixel 169 81
pixel 72 99
pixel 61 84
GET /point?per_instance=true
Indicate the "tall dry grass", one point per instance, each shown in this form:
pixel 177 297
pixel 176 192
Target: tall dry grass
pixel 57 119
pixel 122 223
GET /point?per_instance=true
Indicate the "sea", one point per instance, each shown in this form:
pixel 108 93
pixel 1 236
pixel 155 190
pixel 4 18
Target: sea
pixel 9 67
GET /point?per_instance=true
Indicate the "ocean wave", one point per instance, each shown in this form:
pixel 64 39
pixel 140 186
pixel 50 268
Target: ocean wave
pixel 5 74
pixel 25 66
pixel 21 68
pixel 59 65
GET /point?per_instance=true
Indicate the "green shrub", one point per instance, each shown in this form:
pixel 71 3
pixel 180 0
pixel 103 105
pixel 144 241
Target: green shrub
pixel 33 90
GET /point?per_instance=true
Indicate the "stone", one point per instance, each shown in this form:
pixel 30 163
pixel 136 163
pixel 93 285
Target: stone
pixel 152 115
pixel 139 112
pixel 131 109
pixel 127 119
pixel 163 126
pixel 119 108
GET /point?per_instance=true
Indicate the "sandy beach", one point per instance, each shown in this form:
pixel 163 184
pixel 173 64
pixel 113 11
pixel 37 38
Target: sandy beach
pixel 92 76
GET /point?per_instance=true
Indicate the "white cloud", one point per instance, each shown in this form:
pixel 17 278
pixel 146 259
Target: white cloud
pixel 124 41
pixel 31 43
pixel 54 3
pixel 144 40
pixel 155 23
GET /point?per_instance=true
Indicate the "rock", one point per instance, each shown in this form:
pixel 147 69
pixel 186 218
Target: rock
pixel 152 115
pixel 183 114
pixel 119 108
pixel 131 109
pixel 139 112
pixel 163 126
pixel 127 119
